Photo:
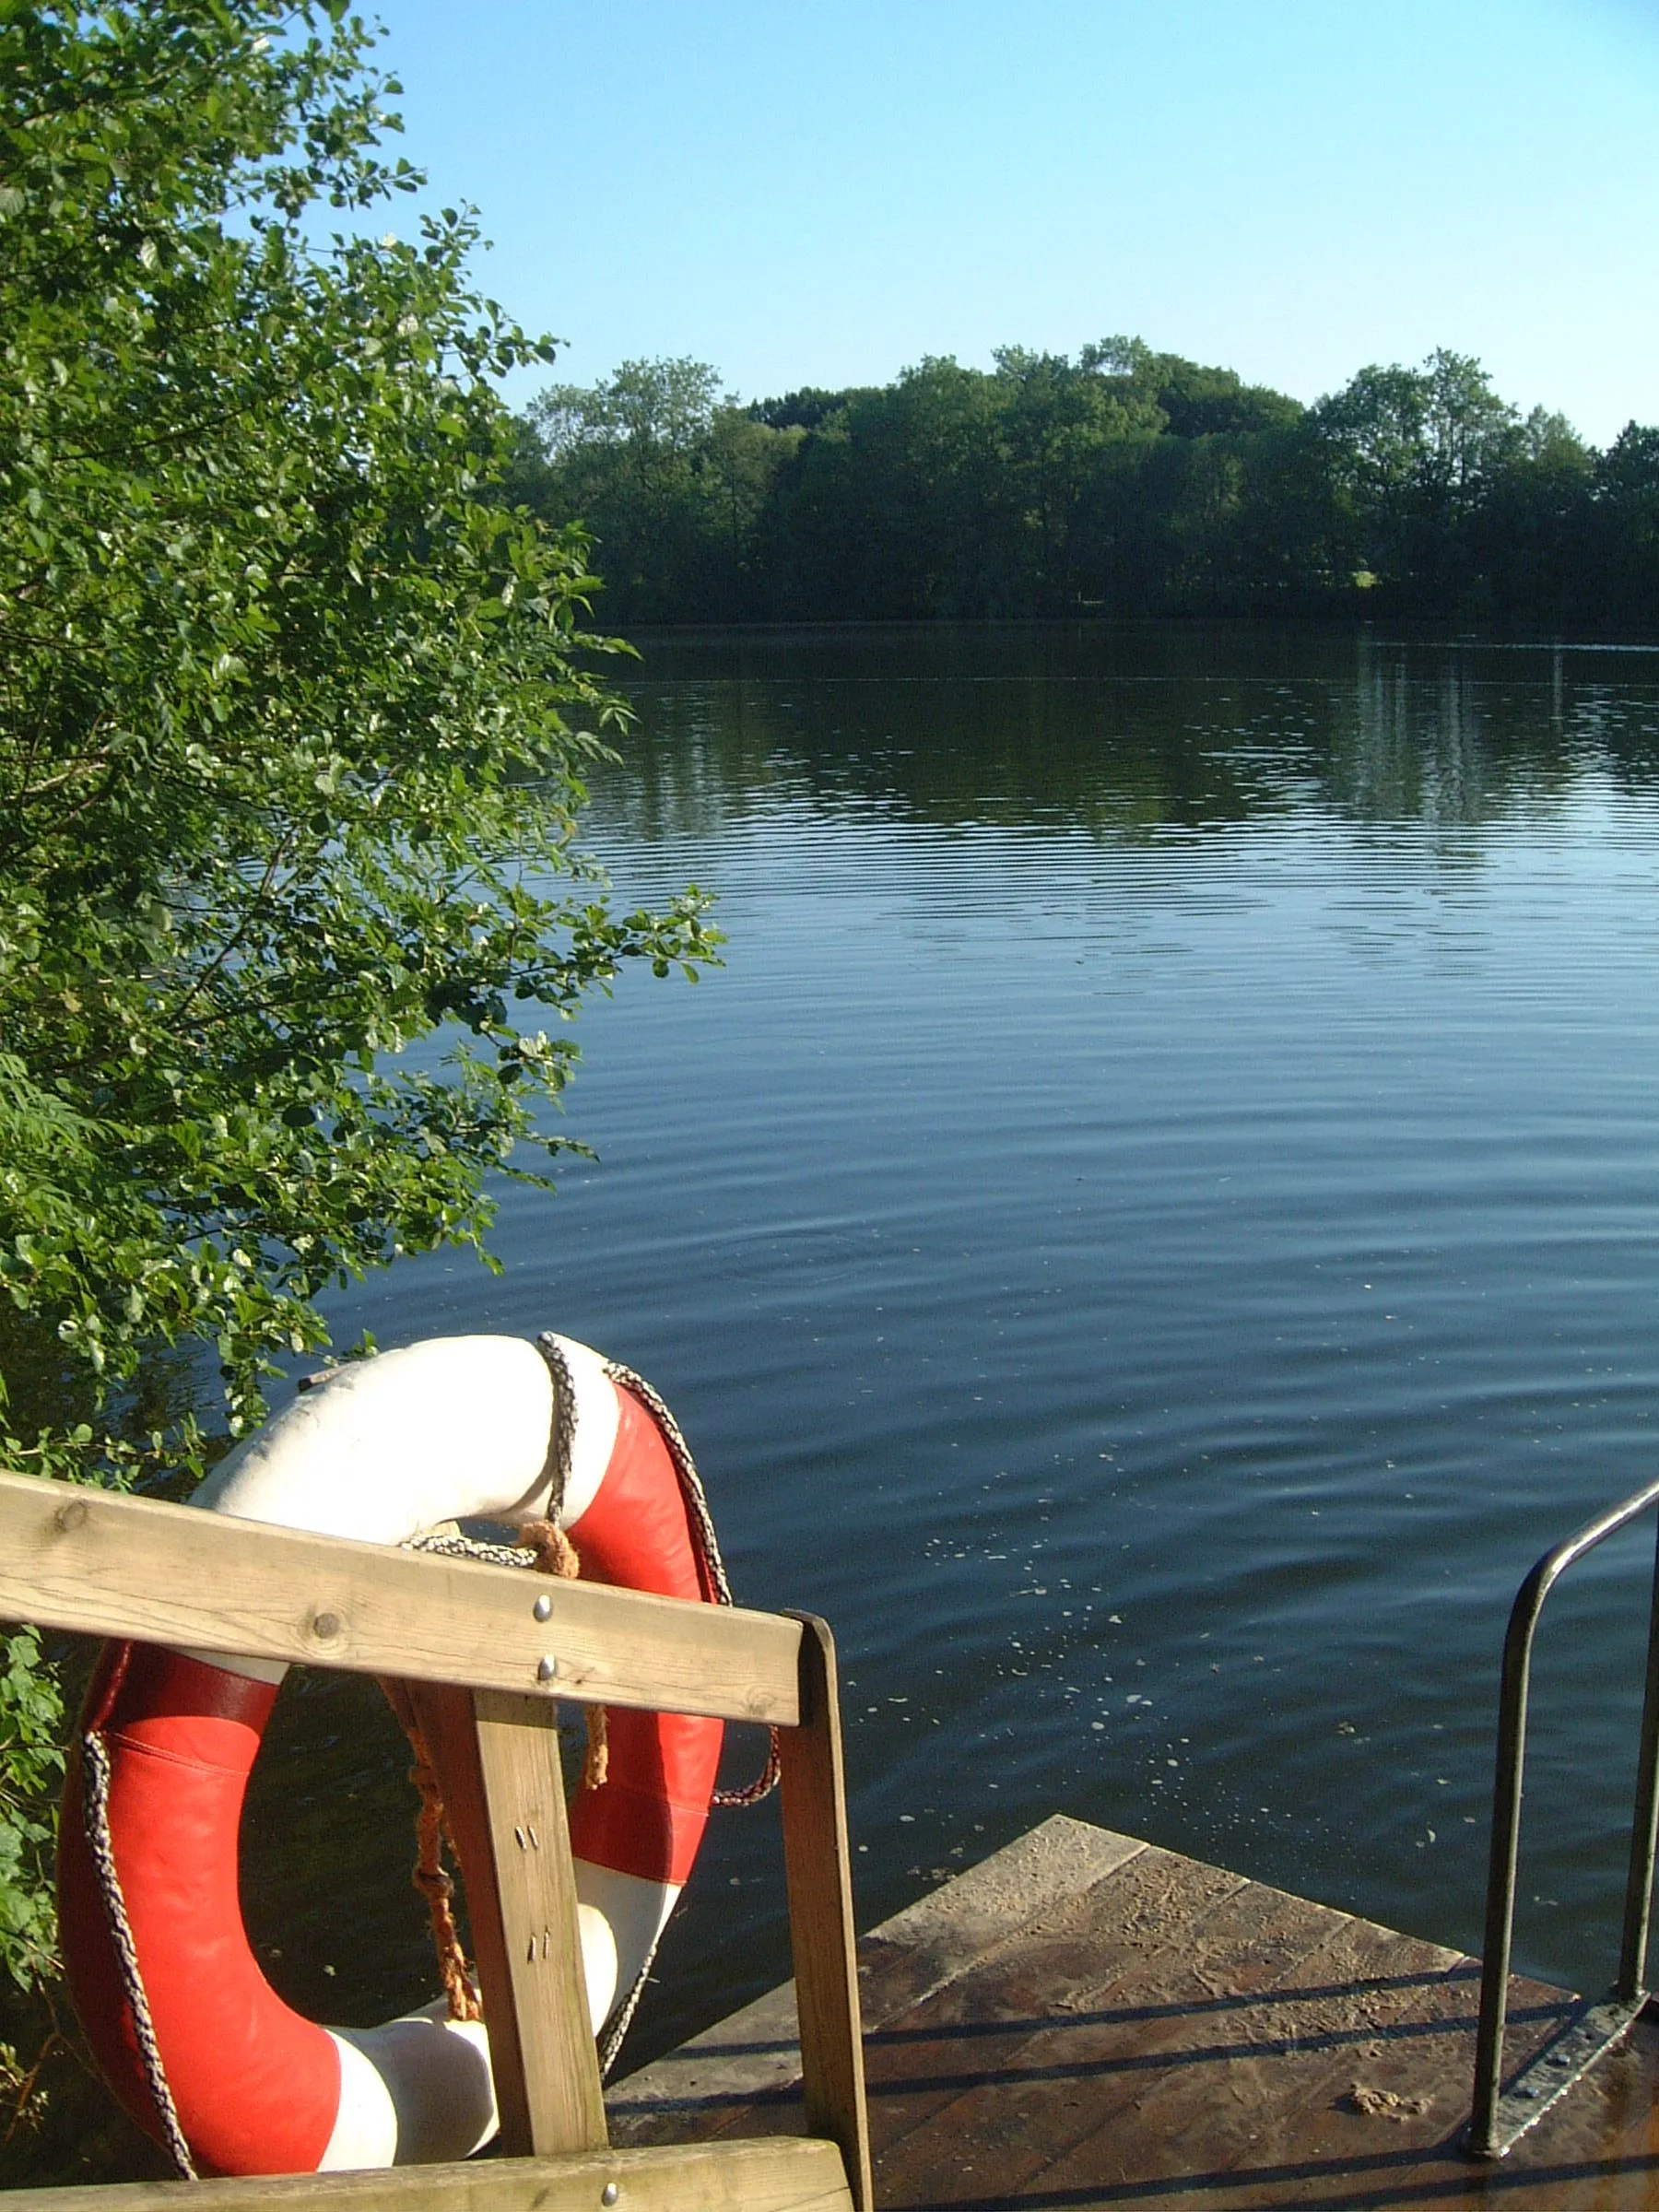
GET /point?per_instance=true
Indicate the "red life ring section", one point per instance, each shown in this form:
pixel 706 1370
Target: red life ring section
pixel 190 2034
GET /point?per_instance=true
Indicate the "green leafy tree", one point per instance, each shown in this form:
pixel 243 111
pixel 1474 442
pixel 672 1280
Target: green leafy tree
pixel 294 710
pixel 671 476
pixel 1120 480
pixel 1055 419
pixel 1625 527
pixel 1531 538
pixel 1414 455
pixel 741 459
pixel 623 457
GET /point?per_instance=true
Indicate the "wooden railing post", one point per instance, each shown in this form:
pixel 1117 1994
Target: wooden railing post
pixel 819 1869
pixel 497 1758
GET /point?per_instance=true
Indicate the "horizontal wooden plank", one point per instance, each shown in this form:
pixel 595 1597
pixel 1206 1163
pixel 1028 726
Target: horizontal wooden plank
pixel 87 1560
pixel 774 2173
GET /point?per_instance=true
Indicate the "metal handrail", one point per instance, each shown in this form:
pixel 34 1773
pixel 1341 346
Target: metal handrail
pixel 1498 2120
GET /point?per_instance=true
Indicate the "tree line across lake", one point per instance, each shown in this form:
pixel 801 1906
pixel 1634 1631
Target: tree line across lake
pixel 1122 482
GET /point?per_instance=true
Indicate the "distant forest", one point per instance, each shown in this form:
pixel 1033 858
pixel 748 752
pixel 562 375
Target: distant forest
pixel 1125 482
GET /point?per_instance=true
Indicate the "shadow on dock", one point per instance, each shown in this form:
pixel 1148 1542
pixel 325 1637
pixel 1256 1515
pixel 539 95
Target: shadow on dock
pixel 1088 2020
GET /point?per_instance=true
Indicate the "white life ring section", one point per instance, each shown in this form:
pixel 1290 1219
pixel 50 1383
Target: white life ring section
pixel 380 1450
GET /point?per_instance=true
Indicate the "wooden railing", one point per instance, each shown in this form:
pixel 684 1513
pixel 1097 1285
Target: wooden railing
pixel 485 1675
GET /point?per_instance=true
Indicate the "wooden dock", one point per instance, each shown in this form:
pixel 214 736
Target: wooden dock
pixel 1088 2020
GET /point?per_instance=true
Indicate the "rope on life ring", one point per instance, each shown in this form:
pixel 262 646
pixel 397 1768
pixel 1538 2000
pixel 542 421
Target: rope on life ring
pixel 141 1692
pixel 100 1844
pixel 547 1549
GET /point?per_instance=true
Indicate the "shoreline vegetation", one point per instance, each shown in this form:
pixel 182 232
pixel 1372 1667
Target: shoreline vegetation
pixel 295 714
pixel 1124 482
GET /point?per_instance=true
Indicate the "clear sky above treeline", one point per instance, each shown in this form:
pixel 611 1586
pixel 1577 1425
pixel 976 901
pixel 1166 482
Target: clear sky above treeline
pixel 811 195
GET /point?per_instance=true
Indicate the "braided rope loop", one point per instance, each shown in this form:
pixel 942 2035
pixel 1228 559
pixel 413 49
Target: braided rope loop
pixel 95 1760
pixel 708 1545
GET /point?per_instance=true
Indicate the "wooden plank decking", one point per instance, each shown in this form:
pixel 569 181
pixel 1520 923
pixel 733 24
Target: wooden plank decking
pixel 1088 2020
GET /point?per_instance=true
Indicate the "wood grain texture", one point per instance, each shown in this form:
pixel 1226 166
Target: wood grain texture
pixel 779 2174
pixel 107 1566
pixel 518 1894
pixel 1175 2038
pixel 536 1898
pixel 821 1933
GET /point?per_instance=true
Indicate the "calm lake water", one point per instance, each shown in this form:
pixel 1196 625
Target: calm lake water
pixel 1153 1228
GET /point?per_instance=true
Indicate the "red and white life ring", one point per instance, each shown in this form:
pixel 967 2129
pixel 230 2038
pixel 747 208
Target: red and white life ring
pixel 382 1451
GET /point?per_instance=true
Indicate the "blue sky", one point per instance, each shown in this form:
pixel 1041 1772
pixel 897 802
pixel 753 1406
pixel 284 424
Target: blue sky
pixel 801 193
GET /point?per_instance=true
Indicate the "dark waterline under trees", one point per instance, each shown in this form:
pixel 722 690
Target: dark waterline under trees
pixel 1124 482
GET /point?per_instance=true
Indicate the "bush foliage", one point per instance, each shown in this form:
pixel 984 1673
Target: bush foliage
pixel 294 709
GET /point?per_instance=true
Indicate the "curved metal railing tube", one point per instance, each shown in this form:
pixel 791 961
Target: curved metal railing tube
pixel 1496 2119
